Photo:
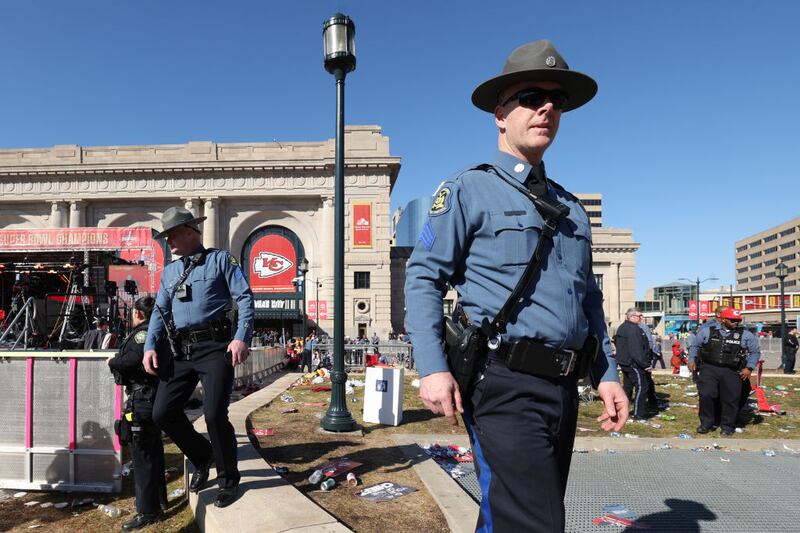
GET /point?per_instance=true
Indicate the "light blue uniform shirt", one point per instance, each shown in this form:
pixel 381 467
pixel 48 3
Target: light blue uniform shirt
pixel 749 343
pixel 216 280
pixel 480 235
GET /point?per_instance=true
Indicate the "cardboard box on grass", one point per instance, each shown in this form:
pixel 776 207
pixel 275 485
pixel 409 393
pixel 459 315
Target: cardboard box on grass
pixel 383 395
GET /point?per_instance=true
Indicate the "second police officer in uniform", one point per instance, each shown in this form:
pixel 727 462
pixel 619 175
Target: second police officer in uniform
pixel 195 293
pixel 724 355
pixel 481 232
pixel 144 437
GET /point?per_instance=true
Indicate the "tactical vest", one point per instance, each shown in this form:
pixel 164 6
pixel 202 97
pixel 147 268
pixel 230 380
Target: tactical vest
pixel 723 351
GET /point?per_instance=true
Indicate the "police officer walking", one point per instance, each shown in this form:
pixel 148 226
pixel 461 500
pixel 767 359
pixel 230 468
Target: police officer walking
pixel 724 355
pixel 633 356
pixel 485 223
pixel 140 431
pixel 194 294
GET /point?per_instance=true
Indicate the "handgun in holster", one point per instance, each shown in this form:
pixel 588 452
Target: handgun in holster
pixel 465 348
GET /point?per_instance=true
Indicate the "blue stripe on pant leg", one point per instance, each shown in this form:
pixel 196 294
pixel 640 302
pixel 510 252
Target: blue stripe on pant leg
pixel 638 393
pixel 485 478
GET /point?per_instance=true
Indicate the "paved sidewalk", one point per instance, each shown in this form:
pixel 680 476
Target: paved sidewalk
pixel 670 489
pixel 268 503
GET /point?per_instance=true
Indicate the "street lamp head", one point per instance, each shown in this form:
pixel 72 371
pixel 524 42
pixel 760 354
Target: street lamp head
pixel 338 37
pixel 781 270
pixel 302 266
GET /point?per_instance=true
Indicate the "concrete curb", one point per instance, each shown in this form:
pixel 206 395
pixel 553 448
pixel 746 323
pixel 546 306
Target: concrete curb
pixel 460 511
pixel 268 503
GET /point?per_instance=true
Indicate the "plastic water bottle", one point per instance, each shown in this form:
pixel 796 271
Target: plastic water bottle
pixel 110 510
pixel 315 477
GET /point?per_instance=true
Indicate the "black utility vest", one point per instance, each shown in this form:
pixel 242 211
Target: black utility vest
pixel 723 351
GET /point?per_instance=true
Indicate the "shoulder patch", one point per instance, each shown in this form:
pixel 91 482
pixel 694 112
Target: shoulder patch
pixel 441 204
pixel 140 336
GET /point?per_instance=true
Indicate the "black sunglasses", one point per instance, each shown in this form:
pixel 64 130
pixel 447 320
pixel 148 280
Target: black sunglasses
pixel 535 98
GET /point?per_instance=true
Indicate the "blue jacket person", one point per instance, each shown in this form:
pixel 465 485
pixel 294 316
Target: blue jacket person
pixel 481 231
pixel 194 293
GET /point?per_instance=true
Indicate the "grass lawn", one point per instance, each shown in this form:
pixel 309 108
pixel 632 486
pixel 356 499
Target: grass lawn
pixel 298 446
pixel 16 516
pixel 680 394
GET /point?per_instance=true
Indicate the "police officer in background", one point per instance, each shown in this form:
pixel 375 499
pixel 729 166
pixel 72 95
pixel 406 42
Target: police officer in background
pixel 481 232
pixel 194 293
pixel 147 452
pixel 724 355
pixel 633 356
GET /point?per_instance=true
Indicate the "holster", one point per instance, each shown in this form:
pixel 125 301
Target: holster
pixel 465 348
pixel 124 430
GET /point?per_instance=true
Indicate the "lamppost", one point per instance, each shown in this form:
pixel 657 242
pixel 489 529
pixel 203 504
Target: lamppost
pixel 338 37
pixel 302 267
pixel 697 282
pixel 781 271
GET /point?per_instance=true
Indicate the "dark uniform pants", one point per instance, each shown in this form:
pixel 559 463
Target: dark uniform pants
pixel 213 369
pixel 636 378
pixel 305 361
pixel 723 385
pixel 147 453
pixel 788 364
pixel 522 429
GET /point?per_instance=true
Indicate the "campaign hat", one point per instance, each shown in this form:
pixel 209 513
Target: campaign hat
pixel 536 61
pixel 175 217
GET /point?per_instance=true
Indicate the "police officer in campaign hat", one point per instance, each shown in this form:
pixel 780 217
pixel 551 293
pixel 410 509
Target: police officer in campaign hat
pixel 193 297
pixel 485 223
pixel 136 426
pixel 724 355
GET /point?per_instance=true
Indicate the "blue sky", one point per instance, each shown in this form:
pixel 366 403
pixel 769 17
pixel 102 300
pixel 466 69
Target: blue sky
pixel 692 138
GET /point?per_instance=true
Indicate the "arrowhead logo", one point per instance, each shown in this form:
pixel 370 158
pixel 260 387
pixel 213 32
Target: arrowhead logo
pixel 268 264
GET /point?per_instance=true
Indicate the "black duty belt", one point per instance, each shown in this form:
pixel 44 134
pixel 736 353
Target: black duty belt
pixel 534 357
pixel 216 332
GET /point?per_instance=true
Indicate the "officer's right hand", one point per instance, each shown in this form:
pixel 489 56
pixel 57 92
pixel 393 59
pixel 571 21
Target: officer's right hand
pixel 439 392
pixel 692 367
pixel 150 362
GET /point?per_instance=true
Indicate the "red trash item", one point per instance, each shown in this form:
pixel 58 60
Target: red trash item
pixel 266 432
pixel 321 389
pixel 371 360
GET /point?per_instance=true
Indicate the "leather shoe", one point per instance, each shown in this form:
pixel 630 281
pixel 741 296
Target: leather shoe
pixel 703 430
pixel 727 432
pixel 225 497
pixel 200 477
pixel 139 521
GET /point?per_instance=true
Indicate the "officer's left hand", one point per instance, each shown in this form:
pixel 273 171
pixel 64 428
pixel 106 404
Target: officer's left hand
pixel 108 361
pixel 239 352
pixel 745 374
pixel 615 403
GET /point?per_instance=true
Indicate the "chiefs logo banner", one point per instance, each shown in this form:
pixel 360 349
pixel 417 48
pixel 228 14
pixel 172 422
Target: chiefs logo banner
pixel 272 265
pixel 362 225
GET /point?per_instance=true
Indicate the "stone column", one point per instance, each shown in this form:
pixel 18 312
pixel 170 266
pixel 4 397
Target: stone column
pixel 58 214
pixel 77 214
pixel 210 230
pixel 192 204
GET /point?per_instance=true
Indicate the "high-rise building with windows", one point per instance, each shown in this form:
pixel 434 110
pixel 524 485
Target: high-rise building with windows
pixel 759 254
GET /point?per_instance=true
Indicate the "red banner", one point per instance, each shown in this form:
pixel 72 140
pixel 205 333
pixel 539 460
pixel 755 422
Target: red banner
pixel 362 225
pixel 311 311
pixel 704 309
pixel 74 239
pixel 273 261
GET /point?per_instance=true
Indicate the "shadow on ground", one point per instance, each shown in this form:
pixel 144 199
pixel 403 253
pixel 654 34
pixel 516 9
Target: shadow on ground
pixel 683 515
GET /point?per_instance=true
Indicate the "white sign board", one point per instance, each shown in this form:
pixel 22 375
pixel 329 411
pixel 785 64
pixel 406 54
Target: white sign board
pixel 383 395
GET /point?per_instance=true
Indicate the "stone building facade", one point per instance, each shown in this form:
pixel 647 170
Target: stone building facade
pixel 243 189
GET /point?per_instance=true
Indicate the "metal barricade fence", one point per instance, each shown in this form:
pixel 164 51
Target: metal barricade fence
pixel 263 361
pixel 395 354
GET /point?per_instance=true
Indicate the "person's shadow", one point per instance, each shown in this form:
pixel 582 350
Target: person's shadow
pixel 683 516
